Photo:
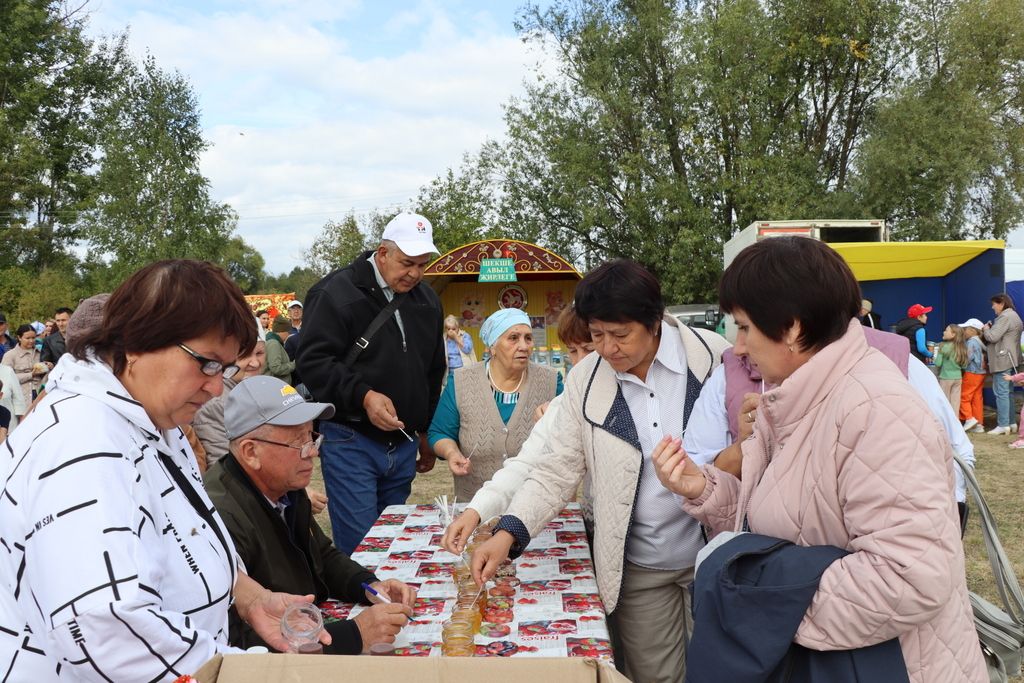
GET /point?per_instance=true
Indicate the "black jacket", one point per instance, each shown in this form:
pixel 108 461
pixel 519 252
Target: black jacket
pixel 749 597
pixel 908 328
pixel 53 348
pixel 338 309
pixel 872 320
pixel 293 557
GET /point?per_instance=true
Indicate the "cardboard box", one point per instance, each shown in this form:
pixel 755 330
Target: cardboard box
pixel 282 668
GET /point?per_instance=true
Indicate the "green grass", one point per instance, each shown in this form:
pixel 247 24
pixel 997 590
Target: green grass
pixel 1000 471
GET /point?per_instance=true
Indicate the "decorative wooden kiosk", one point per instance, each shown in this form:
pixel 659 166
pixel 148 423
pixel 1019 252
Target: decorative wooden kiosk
pixel 477 279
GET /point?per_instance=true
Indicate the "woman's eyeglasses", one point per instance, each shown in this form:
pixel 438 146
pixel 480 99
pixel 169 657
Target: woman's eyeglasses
pixel 305 450
pixel 209 366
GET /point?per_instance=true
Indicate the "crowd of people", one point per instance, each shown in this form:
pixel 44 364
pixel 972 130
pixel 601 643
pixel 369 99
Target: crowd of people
pixel 171 452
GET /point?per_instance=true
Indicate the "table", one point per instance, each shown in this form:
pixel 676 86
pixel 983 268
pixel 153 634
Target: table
pixel 557 611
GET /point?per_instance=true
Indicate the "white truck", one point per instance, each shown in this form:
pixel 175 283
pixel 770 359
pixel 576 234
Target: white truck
pixel 824 230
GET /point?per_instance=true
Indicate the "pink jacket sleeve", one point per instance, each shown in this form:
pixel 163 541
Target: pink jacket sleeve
pixel 898 512
pixel 716 507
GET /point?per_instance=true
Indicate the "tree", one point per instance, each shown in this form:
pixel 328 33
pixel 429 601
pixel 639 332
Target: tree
pixel 51 81
pixel 945 157
pixel 244 264
pixel 299 280
pixel 340 242
pixel 152 200
pixel 461 204
pixel 671 124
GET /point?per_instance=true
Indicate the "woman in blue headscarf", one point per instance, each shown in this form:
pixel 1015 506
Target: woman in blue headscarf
pixel 486 410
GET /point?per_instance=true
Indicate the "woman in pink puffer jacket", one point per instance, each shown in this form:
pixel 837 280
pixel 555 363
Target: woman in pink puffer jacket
pixel 845 453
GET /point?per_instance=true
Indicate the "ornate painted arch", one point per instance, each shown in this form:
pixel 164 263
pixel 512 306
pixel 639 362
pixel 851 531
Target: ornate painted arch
pixel 530 259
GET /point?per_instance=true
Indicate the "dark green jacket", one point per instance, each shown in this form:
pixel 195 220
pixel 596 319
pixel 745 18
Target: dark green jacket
pixel 294 557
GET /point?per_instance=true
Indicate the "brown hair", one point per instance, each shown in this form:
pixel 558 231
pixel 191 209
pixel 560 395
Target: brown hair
pixel 280 324
pixel 1003 299
pixel 166 303
pixel 571 328
pixel 781 280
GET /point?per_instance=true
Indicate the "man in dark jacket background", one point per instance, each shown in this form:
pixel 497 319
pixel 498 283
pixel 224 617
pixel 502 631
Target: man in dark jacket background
pixel 259 490
pixel 388 393
pixel 54 346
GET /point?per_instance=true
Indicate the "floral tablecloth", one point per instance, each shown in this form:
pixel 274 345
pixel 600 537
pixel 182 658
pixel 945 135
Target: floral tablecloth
pixel 556 611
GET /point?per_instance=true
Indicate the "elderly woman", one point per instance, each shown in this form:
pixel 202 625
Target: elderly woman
pixel 486 409
pixel 639 385
pixel 843 453
pixel 458 345
pixel 116 565
pixel 209 421
pixel 493 498
pixel 24 360
pixel 1004 358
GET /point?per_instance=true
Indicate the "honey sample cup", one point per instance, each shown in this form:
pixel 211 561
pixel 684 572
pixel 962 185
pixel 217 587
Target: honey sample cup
pixel 301 625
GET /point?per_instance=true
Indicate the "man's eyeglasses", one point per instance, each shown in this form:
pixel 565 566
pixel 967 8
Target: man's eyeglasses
pixel 209 366
pixel 305 450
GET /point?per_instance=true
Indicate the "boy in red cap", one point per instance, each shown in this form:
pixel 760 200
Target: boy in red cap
pixel 912 327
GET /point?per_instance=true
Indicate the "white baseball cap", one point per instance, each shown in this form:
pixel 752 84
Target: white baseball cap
pixel 294 303
pixel 972 322
pixel 413 234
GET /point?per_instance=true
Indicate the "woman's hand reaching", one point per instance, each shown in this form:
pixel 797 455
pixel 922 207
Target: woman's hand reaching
pixel 675 470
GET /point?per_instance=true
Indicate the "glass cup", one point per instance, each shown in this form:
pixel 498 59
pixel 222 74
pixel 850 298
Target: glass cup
pixel 301 625
pixel 458 645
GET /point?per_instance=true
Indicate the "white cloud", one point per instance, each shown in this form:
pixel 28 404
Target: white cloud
pixel 307 121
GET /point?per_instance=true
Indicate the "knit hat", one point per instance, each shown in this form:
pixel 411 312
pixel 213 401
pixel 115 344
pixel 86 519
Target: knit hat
pixel 87 317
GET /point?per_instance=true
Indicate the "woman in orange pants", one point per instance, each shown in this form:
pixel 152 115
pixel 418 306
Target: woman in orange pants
pixel 971 407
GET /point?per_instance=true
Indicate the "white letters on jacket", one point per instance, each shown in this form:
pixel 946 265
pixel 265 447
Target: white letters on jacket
pixel 107 572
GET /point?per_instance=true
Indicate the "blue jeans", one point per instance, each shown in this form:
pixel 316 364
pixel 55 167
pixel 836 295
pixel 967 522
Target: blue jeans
pixel 362 477
pixel 1004 398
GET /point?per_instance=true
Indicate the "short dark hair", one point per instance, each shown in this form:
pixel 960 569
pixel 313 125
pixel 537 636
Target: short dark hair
pixel 22 329
pixel 620 291
pixel 1005 299
pixel 167 303
pixel 261 312
pixel 63 309
pixel 781 280
pixel 281 324
pixel 571 328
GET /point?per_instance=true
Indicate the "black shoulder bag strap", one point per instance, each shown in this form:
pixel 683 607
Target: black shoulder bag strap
pixel 364 340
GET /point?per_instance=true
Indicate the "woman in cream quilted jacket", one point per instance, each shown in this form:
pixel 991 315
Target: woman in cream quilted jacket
pixel 639 384
pixel 844 453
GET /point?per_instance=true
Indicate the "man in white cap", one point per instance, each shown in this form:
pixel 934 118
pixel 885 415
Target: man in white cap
pixel 258 491
pixel 372 345
pixel 295 315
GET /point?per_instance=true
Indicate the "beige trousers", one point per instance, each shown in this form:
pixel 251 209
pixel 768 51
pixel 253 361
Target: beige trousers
pixel 951 388
pixel 653 620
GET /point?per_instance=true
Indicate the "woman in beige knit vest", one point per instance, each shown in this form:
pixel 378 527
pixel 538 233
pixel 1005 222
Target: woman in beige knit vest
pixel 486 410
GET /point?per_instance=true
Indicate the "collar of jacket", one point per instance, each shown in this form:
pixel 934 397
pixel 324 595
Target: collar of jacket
pixel 603 403
pixel 95 379
pixel 364 277
pixel 787 404
pixel 235 469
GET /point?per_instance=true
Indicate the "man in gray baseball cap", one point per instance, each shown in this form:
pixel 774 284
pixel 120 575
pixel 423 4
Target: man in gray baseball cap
pixel 259 490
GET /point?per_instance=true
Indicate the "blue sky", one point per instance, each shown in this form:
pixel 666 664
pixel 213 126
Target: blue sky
pixel 318 107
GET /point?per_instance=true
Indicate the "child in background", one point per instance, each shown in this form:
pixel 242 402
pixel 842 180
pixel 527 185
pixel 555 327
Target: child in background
pixel 950 361
pixel 971 408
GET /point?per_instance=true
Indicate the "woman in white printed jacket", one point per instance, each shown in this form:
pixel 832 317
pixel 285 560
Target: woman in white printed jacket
pixel 114 564
pixel 639 386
